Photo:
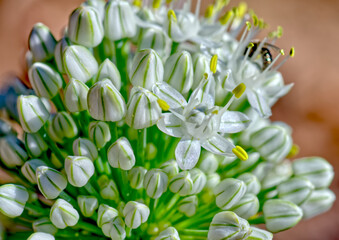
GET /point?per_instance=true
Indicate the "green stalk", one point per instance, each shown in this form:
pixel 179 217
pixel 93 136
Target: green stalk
pixel 141 147
pixel 88 227
pixel 121 58
pixel 58 103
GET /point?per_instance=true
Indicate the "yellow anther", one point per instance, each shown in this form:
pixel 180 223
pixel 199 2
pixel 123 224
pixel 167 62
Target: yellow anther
pixel 242 9
pixel 205 75
pixel 156 4
pixel 239 90
pixel 249 25
pixel 137 3
pixel 213 63
pixel 163 104
pixel 282 52
pixel 240 153
pixel 226 18
pixel 220 4
pixel 292 52
pixel 262 24
pixel 168 1
pixel 215 111
pixel 250 45
pixel 209 11
pixel 171 14
pixel 279 31
pixel 272 34
pixel 255 20
pixel 293 152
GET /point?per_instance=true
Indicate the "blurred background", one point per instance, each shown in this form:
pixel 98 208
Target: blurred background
pixel 311 108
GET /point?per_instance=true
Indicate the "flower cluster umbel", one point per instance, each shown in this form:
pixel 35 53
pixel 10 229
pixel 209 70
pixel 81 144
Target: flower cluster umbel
pixel 147 121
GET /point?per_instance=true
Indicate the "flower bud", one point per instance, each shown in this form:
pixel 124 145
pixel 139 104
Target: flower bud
pixel 143 110
pixel 227 225
pixel 208 163
pixel 105 102
pixel 35 145
pixel 252 183
pixel 29 169
pixel 171 168
pixel 272 142
pixel 296 190
pixel 259 234
pixel 212 180
pixel 87 205
pixel 50 182
pixel 120 154
pixel 228 192
pixel 12 199
pixel 135 214
pixel 169 233
pixel 84 27
pixel 108 188
pixel 76 96
pixel 63 125
pixel 44 225
pixel 119 21
pixel 277 175
pixel 79 170
pixel 115 229
pixel 155 39
pixel 99 133
pixel 201 65
pixel 108 70
pixel 106 214
pixel 59 53
pixel 63 214
pixel 136 177
pixel 86 148
pixel 182 183
pixel 46 81
pixel 188 205
pixel 319 202
pixel 244 166
pixel 315 169
pixel 41 236
pixel 79 63
pixel 199 180
pixel 155 183
pixel 41 43
pixel 12 151
pixel 98 5
pixel 281 215
pixel 147 69
pixel 179 71
pixel 32 113
pixel 247 206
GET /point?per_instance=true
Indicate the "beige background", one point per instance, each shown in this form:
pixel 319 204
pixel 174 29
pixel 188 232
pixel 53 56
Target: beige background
pixel 311 108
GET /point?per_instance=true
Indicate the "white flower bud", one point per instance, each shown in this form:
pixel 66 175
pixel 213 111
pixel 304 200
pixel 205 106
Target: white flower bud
pixel 155 183
pixel 259 234
pixel 120 154
pixel 281 215
pixel 105 102
pixel 227 225
pixel 135 214
pixel 35 145
pixel 41 236
pixel 136 177
pixel 201 65
pixel 98 5
pixel 119 20
pixel 213 180
pixel 188 205
pixel 32 113
pixel 208 163
pixel 63 125
pixel 115 229
pixel 245 166
pixel 228 192
pixel 84 27
pixel 46 81
pixel 63 214
pixel 79 63
pixel 296 190
pixel 85 147
pixel 41 43
pixel 169 233
pixel 13 199
pixel 171 168
pixel 247 206
pixel 12 151
pixel 50 181
pixel 199 180
pixel 147 69
pixel 99 133
pixel 76 96
pixel 252 183
pixel 108 70
pixel 59 53
pixel 108 188
pixel 315 169
pixel 79 170
pixel 277 174
pixel 143 110
pixel 155 39
pixel 273 143
pixel 319 202
pixel 182 183
pixel 179 71
pixel 261 170
pixel 29 169
pixel 106 214
pixel 87 205
pixel 44 225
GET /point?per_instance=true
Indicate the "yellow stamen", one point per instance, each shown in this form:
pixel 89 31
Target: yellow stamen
pixel 168 1
pixel 209 11
pixel 240 153
pixel 163 104
pixel 242 9
pixel 262 24
pixel 137 3
pixel 250 45
pixel 224 19
pixel 279 31
pixel 205 75
pixel 282 52
pixel 171 14
pixel 156 4
pixel 292 52
pixel 213 64
pixel 249 25
pixel 215 111
pixel 239 90
pixel 255 20
pixel 220 4
pixel 294 151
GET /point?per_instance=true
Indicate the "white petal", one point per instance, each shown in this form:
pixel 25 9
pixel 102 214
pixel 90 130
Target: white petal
pixel 187 153
pixel 219 145
pixel 233 122
pixel 259 103
pixel 167 93
pixel 171 125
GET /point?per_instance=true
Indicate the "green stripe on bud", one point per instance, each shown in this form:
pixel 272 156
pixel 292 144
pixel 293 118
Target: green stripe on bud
pixel 199 180
pixel 35 145
pixel 252 183
pixel 78 170
pixel 115 229
pixel 120 154
pixel 44 225
pixel 296 190
pixel 41 236
pixel 247 206
pixel 136 177
pixel 259 234
pixel 63 214
pixel 13 199
pixel 59 53
pixel 188 205
pixel 87 205
pixel 169 233
pixel 12 151
pixel 155 183
pixel 85 147
pixel 135 214
pixel 274 175
pixel 29 169
pixel 108 70
pixel 108 188
pixel 106 214
pixel 50 181
pixel 99 133
pixel 154 39
pixel 41 43
pixel 319 202
pixel 182 183
pixel 171 168
pixel 63 125
pixel 76 96
pixel 201 67
pixel 228 192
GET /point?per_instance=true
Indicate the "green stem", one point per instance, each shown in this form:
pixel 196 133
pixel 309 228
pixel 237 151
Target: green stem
pixel 174 47
pixel 36 209
pixel 121 58
pixel 58 103
pixel 142 142
pixel 88 227
pixel 43 133
pixel 258 220
pixel 68 198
